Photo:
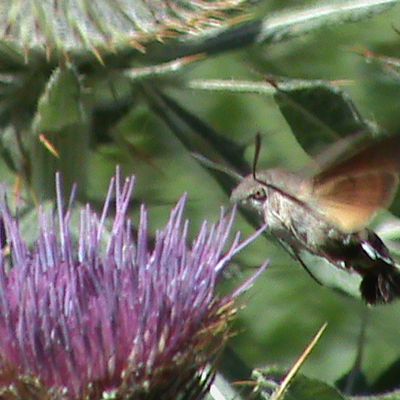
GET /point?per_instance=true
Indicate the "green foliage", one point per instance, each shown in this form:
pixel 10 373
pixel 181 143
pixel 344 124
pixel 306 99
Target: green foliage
pixel 301 388
pixel 318 113
pixel 60 133
pixel 60 105
pixel 85 86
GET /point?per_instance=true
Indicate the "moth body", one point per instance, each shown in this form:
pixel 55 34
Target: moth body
pixel 327 214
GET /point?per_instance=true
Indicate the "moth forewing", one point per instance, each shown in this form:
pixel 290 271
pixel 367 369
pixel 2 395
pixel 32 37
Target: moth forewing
pixel 377 155
pixel 351 191
pixel 352 201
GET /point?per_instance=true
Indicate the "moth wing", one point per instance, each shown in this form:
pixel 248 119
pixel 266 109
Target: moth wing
pixel 352 201
pixel 374 155
pixel 351 191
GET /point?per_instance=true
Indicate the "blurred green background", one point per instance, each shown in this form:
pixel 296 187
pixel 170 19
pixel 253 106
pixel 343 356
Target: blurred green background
pixel 285 308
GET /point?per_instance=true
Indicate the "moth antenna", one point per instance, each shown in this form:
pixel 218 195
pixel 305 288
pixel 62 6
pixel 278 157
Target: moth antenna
pixel 257 150
pixel 256 154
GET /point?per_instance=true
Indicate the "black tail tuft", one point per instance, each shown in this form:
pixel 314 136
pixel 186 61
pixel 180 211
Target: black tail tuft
pixel 381 285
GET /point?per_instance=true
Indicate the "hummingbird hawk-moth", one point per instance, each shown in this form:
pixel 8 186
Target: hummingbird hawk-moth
pixel 327 214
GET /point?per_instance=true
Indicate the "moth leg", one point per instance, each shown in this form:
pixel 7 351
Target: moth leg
pixel 302 263
pixel 295 255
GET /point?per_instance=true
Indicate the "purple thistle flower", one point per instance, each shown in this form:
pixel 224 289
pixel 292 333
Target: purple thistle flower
pixel 108 313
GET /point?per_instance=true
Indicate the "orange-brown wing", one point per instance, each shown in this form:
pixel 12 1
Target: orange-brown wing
pixel 382 155
pixel 351 201
pixel 350 192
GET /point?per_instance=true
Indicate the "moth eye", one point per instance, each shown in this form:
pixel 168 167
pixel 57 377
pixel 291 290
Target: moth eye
pixel 259 195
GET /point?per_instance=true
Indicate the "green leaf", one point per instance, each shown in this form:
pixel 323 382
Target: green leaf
pixel 359 383
pixel 330 276
pixel 385 396
pixel 299 22
pixel 355 382
pixel 9 150
pixel 60 105
pixel 234 369
pixel 318 113
pixel 61 134
pixel 232 86
pixel 230 150
pixel 389 67
pixel 388 229
pixel 301 388
pixel 161 69
pixel 304 388
pixel 388 380
pixel 28 220
pixel 280 26
pixel 198 137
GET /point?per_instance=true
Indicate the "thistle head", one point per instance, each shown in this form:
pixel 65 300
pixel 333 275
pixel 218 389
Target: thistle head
pixel 107 313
